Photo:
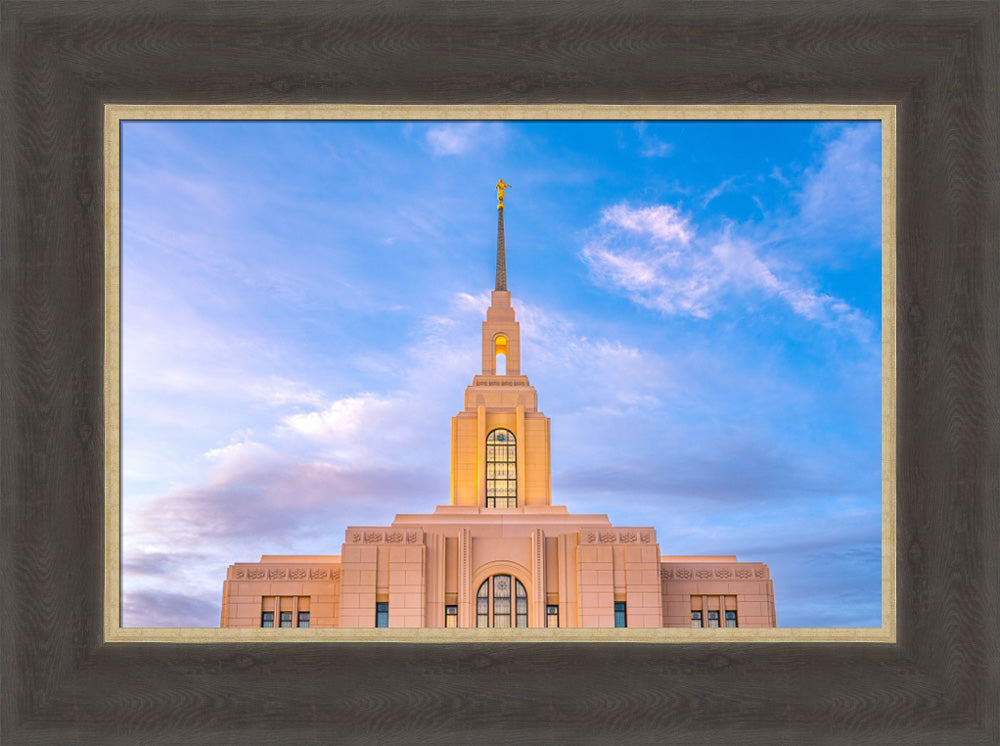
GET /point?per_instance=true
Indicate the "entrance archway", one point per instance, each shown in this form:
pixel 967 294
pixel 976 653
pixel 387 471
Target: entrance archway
pixel 501 602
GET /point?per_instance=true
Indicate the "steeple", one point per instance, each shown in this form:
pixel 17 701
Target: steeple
pixel 501 283
pixel 500 419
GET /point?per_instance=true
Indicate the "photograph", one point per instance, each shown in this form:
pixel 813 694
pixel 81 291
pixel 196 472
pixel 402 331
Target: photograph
pixel 501 373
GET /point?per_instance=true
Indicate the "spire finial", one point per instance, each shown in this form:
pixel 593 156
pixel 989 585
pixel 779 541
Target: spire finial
pixel 500 188
pixel 501 283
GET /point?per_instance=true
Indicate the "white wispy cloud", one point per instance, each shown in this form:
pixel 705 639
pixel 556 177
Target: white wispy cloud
pixel 662 223
pixel 843 190
pixel 658 259
pixel 651 146
pixel 725 186
pixel 459 138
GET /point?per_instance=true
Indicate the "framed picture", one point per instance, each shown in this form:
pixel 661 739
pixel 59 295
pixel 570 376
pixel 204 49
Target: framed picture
pixel 936 681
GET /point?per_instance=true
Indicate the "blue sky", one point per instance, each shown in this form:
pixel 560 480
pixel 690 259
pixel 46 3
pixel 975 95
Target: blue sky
pixel 700 315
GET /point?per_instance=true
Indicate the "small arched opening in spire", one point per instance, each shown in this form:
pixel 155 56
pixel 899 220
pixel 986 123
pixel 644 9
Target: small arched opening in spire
pixel 500 355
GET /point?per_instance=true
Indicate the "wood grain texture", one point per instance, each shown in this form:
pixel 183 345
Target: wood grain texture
pixel 62 60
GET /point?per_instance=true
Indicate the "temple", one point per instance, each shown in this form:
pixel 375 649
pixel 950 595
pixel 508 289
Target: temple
pixel 500 554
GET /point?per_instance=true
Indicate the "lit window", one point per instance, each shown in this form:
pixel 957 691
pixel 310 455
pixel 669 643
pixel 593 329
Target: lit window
pixel 696 619
pixel 713 619
pixel 267 619
pixel 551 615
pixel 731 619
pixel 501 469
pixel 620 618
pixel 303 618
pixel 382 614
pixel 500 354
pixel 496 592
pixel 450 616
pixel 286 619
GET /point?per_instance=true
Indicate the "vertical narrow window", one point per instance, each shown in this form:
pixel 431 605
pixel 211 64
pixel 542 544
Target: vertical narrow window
pixel 502 602
pixel 500 355
pixel 520 604
pixel 303 618
pixel 696 619
pixel 731 619
pixel 267 619
pixel 285 619
pixel 501 469
pixel 620 618
pixel 382 614
pixel 483 605
pixel 551 615
pixel 713 619
pixel 450 616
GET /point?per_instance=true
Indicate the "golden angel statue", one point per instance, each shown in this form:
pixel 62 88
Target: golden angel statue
pixel 500 188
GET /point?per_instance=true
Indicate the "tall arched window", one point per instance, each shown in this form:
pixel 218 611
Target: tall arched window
pixel 501 469
pixel 500 355
pixel 493 603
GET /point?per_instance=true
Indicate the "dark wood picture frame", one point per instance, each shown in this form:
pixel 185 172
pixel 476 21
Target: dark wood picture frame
pixel 937 62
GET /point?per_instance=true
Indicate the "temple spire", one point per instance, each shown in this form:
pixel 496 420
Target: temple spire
pixel 501 283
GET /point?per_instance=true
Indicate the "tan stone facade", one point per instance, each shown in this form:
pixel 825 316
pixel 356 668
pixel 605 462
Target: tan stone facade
pixel 500 555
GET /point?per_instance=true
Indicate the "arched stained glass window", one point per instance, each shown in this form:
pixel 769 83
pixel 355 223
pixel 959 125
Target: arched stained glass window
pixel 493 603
pixel 501 469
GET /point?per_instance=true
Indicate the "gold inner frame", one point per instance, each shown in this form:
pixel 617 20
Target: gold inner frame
pixel 115 113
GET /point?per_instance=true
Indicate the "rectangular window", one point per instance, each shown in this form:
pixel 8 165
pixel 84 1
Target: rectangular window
pixel 501 502
pixel 696 619
pixel 382 614
pixel 303 618
pixel 521 610
pixel 731 619
pixel 286 619
pixel 267 619
pixel 620 619
pixel 713 619
pixel 501 601
pixel 483 611
pixel 551 615
pixel 450 616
